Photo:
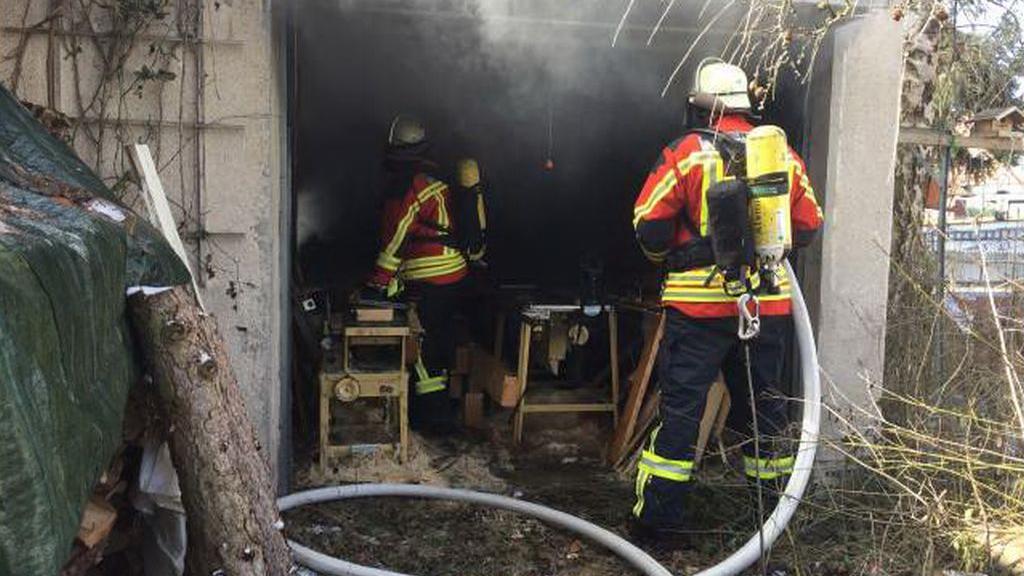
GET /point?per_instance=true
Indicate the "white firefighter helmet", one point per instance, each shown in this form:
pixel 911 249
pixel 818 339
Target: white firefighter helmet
pixel 406 131
pixel 718 83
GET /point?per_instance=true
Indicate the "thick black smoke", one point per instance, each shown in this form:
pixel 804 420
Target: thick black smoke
pixel 514 83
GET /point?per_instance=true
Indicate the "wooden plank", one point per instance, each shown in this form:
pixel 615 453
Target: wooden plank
pixel 522 375
pixel 487 373
pixel 648 413
pixel 375 314
pixel 463 360
pixel 613 354
pixel 377 331
pixel 715 409
pixel 97 521
pixel 929 137
pixel 374 340
pixel 403 412
pixel 473 410
pixel 638 389
pixel 536 408
pixel 326 393
pixel 157 207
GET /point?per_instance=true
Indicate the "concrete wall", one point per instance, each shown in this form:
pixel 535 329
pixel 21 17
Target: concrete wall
pixel 215 129
pixel 853 141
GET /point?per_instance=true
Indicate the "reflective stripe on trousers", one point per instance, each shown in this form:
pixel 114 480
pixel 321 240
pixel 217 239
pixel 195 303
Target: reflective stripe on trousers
pixel 425 383
pixel 651 465
pixel 768 468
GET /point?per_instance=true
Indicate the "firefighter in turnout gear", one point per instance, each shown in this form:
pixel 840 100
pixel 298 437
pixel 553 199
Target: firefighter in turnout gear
pixel 692 216
pixel 419 255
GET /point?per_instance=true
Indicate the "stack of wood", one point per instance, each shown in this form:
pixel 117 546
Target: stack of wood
pixel 641 411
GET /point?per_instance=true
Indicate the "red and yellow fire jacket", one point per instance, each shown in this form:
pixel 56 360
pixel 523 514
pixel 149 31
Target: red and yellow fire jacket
pixel 415 244
pixel 675 192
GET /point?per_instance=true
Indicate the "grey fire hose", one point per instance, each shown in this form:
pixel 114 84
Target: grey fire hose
pixel 743 558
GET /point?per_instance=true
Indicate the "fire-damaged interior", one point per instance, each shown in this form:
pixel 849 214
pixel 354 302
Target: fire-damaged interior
pixel 565 127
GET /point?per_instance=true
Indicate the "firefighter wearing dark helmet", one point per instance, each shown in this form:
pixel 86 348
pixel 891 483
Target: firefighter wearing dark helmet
pixel 420 255
pixel 686 197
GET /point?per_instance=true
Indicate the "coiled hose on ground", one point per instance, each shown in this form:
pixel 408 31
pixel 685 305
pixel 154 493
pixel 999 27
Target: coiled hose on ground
pixel 746 556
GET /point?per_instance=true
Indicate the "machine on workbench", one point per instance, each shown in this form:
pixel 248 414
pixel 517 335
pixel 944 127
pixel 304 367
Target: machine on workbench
pixel 363 382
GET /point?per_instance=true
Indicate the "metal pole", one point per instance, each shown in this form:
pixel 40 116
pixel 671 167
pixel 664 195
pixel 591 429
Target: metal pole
pixel 943 195
pixel 943 200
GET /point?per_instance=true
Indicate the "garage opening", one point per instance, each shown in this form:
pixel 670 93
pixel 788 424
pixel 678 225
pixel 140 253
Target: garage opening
pixel 565 128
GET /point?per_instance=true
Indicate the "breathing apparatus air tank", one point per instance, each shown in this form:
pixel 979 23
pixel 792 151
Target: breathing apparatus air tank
pixel 767 159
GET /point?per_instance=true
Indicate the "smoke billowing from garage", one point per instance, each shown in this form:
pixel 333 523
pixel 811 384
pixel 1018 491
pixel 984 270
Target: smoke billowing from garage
pixel 514 83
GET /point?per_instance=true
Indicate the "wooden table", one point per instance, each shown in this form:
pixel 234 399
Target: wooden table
pixel 535 316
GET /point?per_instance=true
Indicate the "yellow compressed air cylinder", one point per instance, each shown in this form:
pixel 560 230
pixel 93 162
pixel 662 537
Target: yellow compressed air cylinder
pixel 468 172
pixel 768 178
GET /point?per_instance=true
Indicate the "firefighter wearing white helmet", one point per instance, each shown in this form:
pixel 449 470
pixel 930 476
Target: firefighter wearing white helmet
pixel 720 86
pixel 692 214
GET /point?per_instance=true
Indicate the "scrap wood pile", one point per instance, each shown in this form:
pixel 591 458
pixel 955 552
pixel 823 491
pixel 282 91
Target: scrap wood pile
pixel 641 410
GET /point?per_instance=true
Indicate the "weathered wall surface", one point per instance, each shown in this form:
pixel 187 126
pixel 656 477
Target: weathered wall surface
pixel 204 94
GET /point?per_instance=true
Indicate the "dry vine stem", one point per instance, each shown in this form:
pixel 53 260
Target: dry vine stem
pixel 121 52
pixel 768 40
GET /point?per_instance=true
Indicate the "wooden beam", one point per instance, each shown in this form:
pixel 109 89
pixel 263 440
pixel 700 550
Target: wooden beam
pixel 716 409
pixel 535 408
pixel 644 421
pixel 929 137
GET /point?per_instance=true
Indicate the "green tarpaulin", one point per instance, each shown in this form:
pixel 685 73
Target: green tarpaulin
pixel 68 252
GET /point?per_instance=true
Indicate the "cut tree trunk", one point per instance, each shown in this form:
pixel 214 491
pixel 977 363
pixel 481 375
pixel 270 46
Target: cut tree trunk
pixel 231 514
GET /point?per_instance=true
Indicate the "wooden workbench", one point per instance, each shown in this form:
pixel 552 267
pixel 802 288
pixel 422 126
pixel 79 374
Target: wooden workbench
pixel 535 317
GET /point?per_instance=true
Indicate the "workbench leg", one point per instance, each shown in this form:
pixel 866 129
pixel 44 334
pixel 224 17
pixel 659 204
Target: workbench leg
pixel 325 424
pixel 613 355
pixel 403 413
pixel 522 371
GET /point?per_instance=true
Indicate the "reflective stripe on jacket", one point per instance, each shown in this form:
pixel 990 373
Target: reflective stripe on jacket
pixel 676 190
pixel 413 246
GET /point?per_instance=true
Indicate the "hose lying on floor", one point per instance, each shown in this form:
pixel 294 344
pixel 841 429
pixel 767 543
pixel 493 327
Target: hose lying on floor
pixel 327 565
pixel 635 557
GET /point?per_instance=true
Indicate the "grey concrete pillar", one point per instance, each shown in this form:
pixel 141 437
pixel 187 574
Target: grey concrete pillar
pixel 852 290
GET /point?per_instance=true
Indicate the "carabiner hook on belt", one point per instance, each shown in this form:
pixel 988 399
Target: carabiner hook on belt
pixel 750 322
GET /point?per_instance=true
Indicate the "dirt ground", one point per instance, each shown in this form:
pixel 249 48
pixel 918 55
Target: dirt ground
pixel 558 468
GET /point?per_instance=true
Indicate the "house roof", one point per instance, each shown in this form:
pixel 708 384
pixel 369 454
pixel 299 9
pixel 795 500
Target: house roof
pixel 999 114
